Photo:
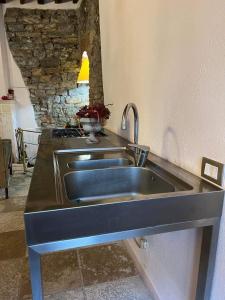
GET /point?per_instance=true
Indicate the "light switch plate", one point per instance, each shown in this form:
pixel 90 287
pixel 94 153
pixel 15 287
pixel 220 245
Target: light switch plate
pixel 213 170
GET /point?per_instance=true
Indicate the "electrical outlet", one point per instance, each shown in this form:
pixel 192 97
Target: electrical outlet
pixel 213 171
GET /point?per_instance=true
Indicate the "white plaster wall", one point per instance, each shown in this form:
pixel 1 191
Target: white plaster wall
pixel 24 109
pixel 168 58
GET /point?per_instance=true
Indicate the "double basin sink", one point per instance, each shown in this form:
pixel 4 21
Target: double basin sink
pixel 92 176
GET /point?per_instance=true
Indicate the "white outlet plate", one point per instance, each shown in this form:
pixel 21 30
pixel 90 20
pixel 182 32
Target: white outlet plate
pixel 213 171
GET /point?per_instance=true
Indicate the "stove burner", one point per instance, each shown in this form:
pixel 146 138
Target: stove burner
pixel 67 133
pixel 72 133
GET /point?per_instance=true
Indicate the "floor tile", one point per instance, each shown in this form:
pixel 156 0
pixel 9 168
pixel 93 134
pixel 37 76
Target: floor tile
pixel 60 273
pixel 77 294
pixel 67 295
pixel 13 204
pixel 12 245
pixel 11 221
pixel 18 185
pixel 131 288
pixel 105 263
pixel 10 271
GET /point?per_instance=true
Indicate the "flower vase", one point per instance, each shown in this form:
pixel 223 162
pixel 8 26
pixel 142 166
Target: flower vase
pixel 91 126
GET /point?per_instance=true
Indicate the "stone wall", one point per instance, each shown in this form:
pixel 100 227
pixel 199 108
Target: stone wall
pixel 47 45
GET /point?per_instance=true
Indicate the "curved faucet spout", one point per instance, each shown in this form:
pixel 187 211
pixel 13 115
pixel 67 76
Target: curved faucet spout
pixel 136 120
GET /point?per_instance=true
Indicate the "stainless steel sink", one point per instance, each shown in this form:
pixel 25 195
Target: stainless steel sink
pixel 99 163
pixel 125 183
pixel 96 158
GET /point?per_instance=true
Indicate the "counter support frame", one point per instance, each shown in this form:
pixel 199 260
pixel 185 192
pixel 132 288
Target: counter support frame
pixel 210 229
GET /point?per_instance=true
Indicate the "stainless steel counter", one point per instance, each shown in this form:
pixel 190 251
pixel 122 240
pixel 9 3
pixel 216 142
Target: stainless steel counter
pixel 54 224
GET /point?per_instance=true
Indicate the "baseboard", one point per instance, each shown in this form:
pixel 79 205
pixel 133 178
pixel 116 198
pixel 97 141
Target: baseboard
pixel 142 272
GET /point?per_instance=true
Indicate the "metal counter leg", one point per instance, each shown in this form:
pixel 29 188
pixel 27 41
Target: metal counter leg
pixel 207 261
pixel 35 274
pixel 6 193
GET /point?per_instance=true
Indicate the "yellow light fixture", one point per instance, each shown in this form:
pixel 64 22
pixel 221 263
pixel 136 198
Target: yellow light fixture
pixel 84 70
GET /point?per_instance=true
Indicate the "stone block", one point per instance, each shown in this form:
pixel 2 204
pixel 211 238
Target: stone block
pixel 52 27
pixel 62 92
pixel 37 107
pixel 11 36
pixel 21 46
pixel 29 28
pixel 50 62
pixel 57 99
pixel 40 53
pixel 65 28
pixel 58 46
pixel 49 71
pixel 15 27
pixel 70 66
pixel 12 19
pixel 35 79
pixel 43 86
pixel 34 100
pixel 26 72
pixel 12 12
pixel 33 86
pixel 74 101
pixel 73 92
pixel 30 19
pixel 32 62
pixel 28 34
pixel 49 46
pixel 40 93
pixel 50 92
pixel 72 76
pixel 52 35
pixel 45 79
pixel 27 81
pixel 36 71
pixel 67 85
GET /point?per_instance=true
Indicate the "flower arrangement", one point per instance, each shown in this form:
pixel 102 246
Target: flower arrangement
pixel 91 118
pixel 97 111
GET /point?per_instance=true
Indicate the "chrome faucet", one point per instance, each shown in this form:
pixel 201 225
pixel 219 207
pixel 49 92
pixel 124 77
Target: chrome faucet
pixel 140 154
pixel 136 120
pixel 140 151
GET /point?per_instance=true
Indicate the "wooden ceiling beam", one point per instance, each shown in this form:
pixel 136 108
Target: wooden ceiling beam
pixel 42 2
pixel 25 1
pixel 61 1
pixel 5 1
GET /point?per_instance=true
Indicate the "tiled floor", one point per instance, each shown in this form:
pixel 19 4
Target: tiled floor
pixel 97 273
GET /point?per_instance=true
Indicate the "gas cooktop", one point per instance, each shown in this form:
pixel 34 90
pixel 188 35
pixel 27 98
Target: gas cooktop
pixel 72 133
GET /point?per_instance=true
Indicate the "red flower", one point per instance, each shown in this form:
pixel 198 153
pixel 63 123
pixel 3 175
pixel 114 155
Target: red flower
pixel 97 111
